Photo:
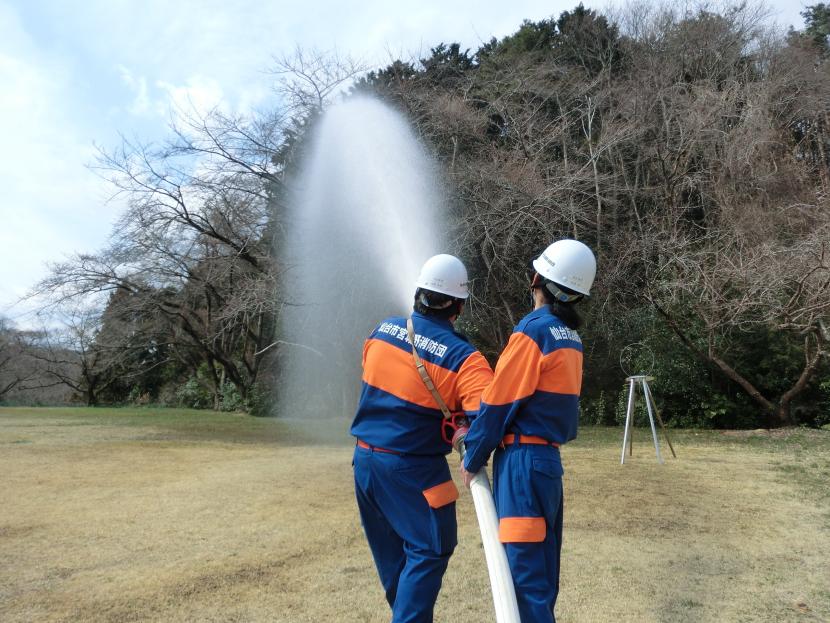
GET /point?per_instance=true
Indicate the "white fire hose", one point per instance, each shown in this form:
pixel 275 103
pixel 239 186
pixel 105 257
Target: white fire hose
pixel 501 581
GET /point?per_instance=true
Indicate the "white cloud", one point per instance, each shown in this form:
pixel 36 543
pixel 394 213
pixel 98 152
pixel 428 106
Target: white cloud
pixel 197 95
pixel 51 204
pixel 138 86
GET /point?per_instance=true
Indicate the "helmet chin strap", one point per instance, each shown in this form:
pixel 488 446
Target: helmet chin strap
pixel 425 302
pixel 559 295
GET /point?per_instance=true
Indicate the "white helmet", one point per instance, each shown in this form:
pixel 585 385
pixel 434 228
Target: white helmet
pixel 568 263
pixel 445 274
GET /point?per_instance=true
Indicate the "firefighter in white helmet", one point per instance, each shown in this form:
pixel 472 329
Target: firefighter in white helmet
pixel 529 410
pixel 403 485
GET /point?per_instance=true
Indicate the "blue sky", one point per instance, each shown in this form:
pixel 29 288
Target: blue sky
pixel 75 74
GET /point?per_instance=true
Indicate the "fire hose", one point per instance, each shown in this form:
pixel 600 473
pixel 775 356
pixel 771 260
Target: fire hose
pixel 501 581
pixel 454 430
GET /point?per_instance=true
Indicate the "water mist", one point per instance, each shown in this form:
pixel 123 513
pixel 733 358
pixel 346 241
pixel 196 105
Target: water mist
pixel 365 216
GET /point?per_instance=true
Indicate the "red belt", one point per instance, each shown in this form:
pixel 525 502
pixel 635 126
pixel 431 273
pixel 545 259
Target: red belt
pixel 531 439
pixel 363 444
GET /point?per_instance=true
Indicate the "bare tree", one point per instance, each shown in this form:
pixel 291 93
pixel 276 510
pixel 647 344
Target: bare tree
pixel 724 285
pixel 309 80
pixel 739 245
pixel 14 370
pixel 69 354
pixel 688 147
pixel 192 260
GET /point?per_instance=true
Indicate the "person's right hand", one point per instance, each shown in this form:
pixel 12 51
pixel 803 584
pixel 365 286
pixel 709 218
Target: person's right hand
pixel 466 476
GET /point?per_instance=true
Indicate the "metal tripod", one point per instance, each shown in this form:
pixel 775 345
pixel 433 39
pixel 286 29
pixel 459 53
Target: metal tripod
pixel 652 411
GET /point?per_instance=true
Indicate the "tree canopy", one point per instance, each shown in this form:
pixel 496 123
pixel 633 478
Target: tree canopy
pixel 687 147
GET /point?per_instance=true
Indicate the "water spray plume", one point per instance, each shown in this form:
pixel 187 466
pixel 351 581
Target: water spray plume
pixel 366 213
pixel 365 216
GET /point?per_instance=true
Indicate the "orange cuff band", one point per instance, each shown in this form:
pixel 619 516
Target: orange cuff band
pixel 522 529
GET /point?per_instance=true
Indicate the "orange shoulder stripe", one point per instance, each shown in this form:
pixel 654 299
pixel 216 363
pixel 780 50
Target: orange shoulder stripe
pixel 392 369
pixel 562 372
pixel 365 350
pixel 474 375
pixel 517 371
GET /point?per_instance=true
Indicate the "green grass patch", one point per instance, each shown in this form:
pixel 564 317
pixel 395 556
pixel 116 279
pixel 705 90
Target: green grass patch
pixel 792 444
pixel 170 424
pixel 613 435
pixel 787 440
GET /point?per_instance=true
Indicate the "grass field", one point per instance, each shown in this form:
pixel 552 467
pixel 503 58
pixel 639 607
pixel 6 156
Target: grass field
pixel 172 515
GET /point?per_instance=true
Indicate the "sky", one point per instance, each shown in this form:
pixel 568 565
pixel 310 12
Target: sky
pixel 77 75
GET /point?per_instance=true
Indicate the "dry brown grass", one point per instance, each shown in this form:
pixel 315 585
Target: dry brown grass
pixel 141 522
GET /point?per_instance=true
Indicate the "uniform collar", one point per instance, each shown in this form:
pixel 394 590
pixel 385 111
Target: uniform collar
pixel 538 313
pixel 439 321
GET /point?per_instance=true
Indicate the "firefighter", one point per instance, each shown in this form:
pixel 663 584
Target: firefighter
pixel 530 409
pixel 405 493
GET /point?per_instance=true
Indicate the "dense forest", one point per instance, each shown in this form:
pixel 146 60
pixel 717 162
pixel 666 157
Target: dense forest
pixel 688 148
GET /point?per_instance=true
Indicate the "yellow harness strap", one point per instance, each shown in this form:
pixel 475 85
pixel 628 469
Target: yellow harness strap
pixel 419 364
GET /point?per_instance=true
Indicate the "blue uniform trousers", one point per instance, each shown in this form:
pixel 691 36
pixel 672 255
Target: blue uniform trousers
pixel 527 482
pixel 411 542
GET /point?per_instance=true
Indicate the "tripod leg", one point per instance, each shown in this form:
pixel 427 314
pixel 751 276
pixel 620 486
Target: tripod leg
pixel 651 421
pixel 633 417
pixel 628 412
pixel 650 397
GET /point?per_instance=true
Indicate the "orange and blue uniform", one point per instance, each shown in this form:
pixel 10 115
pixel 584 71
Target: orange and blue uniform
pixel 403 485
pixel 529 410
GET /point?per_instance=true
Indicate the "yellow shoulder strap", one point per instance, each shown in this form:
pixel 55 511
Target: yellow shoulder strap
pixel 419 364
